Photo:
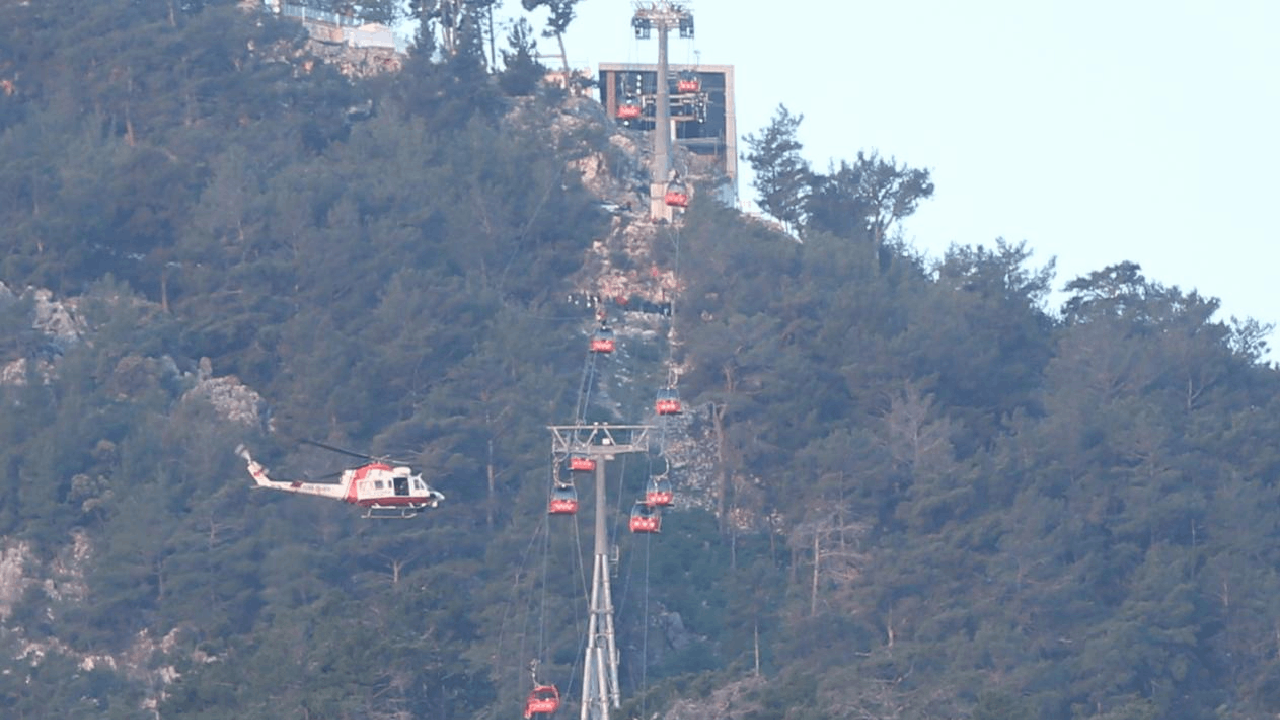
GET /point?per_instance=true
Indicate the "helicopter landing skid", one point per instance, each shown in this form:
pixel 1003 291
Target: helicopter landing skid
pixel 384 512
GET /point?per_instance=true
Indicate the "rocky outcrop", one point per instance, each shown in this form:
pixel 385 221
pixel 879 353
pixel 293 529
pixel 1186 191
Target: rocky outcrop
pixel 62 578
pixel 734 701
pixel 13 579
pixel 357 61
pixel 57 319
pixel 234 401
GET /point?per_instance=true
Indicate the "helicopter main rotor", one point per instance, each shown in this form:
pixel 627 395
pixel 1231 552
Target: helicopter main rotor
pixel 351 453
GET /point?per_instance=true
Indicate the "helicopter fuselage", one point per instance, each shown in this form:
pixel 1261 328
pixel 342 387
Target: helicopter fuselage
pixel 381 489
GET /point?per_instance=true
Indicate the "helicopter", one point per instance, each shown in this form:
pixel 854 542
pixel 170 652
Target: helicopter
pixel 383 490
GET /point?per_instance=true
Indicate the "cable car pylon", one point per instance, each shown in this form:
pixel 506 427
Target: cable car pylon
pixel 661 15
pixel 599 443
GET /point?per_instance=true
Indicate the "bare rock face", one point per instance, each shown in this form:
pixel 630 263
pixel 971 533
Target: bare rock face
pixel 61 579
pixel 730 702
pixel 57 318
pixel 357 61
pixel 16 372
pixel 13 579
pixel 234 401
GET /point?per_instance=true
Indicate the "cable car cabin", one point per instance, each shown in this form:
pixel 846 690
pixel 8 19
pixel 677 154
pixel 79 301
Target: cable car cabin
pixel 659 493
pixel 582 463
pixel 543 699
pixel 602 341
pixel 668 402
pixel 564 500
pixel 677 195
pixel 687 82
pixel 645 518
pixel 629 108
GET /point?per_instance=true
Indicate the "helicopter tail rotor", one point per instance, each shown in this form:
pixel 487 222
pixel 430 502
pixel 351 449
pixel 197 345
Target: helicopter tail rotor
pixel 256 471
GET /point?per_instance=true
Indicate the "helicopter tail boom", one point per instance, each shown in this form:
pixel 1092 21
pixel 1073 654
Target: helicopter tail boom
pixel 337 491
pixel 256 471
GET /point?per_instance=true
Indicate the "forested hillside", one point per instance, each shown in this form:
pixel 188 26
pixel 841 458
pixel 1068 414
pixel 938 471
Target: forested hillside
pixel 931 495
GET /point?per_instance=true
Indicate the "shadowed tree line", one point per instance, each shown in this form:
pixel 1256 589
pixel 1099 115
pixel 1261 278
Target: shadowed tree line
pixel 932 495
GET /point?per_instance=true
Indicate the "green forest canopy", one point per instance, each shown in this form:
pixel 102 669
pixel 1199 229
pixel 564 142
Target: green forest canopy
pixel 931 495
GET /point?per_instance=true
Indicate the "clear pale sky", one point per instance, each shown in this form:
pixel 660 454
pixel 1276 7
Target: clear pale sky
pixel 1096 131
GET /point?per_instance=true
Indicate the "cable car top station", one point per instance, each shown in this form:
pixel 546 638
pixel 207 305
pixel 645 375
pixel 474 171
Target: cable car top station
pixel 683 105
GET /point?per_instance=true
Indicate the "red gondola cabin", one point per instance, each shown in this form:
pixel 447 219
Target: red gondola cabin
pixel 544 699
pixel 677 195
pixel 629 109
pixel 645 518
pixel 688 82
pixel 659 493
pixel 582 463
pixel 564 500
pixel 668 402
pixel 602 341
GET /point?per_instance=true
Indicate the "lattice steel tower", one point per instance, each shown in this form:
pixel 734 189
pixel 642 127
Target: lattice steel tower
pixel 601 443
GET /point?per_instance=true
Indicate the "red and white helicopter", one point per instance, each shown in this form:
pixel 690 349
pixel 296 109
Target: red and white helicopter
pixel 382 490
